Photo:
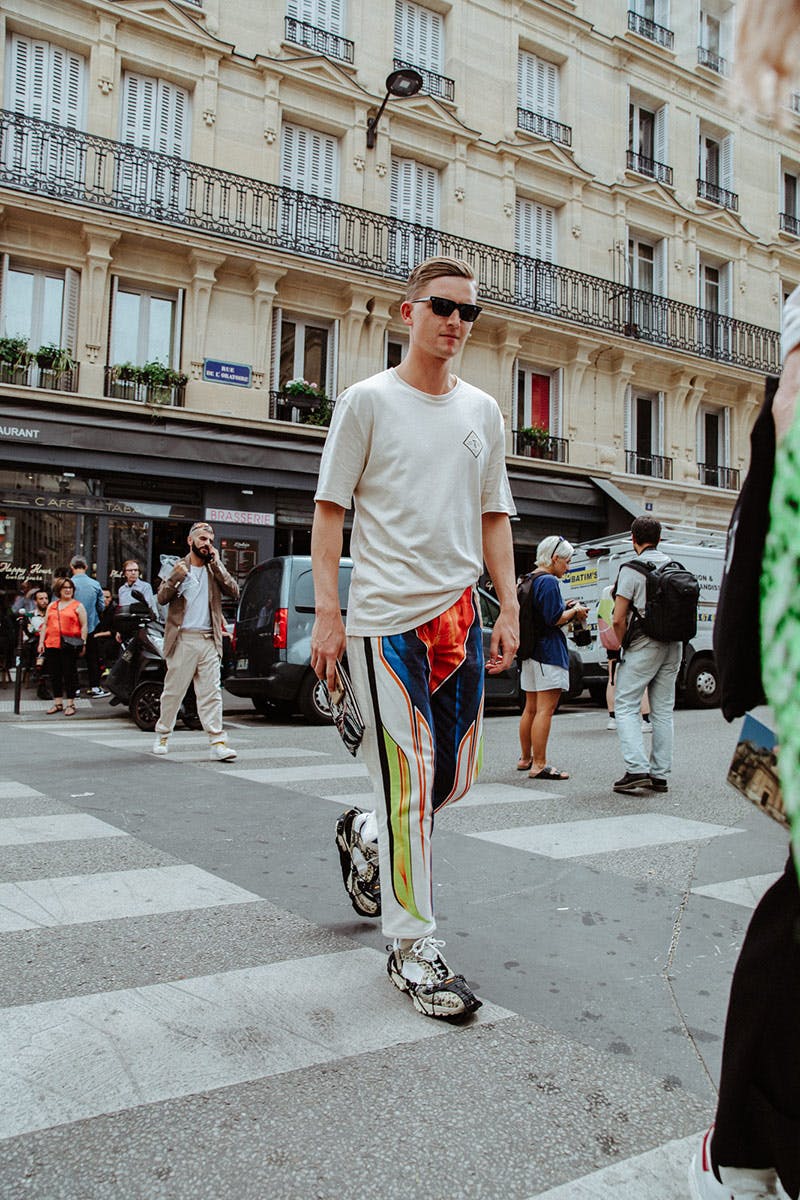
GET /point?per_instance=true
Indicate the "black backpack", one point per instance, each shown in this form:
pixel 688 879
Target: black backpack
pixel 531 623
pixel 670 613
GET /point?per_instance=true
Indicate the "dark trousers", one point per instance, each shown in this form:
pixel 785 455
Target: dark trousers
pixel 62 667
pixel 758 1113
pixel 92 661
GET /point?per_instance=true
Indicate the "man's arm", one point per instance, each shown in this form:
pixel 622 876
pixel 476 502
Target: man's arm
pixel 168 588
pixel 328 638
pixel 227 583
pixel 498 554
pixel 619 619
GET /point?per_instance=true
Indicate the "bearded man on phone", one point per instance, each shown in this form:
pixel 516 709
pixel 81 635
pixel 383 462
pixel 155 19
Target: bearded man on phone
pixel 193 640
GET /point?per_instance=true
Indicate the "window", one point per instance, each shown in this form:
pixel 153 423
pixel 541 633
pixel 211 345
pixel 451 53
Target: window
pixel 419 42
pixel 715 170
pixel 319 24
pixel 647 141
pixel 324 14
pixel 538 398
pixel 396 348
pixel 644 434
pixel 714 299
pixel 414 198
pixel 790 193
pixel 713 446
pixel 650 18
pixel 714 38
pixel 145 325
pixel 535 236
pixel 39 304
pixel 647 270
pixel 155 116
pixel 310 167
pixel 47 82
pixel 304 348
pixel 538 103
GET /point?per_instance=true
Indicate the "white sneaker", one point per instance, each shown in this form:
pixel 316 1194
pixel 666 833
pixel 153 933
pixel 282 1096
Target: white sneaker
pixel 749 1185
pixel 161 744
pixel 612 723
pixel 221 751
pixel 434 990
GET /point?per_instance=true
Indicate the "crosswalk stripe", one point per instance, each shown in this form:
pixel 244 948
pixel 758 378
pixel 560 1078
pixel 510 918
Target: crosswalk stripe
pixel 84 1056
pixel 11 789
pixel 110 895
pixel 660 1174
pixel 54 827
pixel 573 839
pixel 746 891
pixel 502 793
pixel 301 774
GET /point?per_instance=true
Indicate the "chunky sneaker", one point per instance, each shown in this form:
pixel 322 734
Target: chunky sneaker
pixel 658 785
pixel 631 782
pixel 359 862
pixel 98 693
pixel 750 1185
pixel 161 744
pixel 611 723
pixel 221 751
pixel 435 991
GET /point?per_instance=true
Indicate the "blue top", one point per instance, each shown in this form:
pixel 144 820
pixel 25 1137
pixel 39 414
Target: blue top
pixel 90 594
pixel 552 648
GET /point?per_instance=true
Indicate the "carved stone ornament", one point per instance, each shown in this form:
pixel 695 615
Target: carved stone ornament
pixel 106 85
pixel 358 163
pixel 209 117
pixel 269 136
pixel 196 369
pixel 258 379
pixel 508 209
pixel 459 194
pixel 92 353
pixel 380 170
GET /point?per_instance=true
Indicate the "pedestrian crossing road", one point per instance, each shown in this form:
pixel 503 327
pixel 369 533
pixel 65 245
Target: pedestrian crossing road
pixel 191 1009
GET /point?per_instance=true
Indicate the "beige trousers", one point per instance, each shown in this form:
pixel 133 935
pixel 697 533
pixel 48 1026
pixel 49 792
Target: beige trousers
pixel 194 660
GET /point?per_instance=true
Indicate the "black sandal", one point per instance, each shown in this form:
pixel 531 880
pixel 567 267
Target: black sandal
pixel 56 708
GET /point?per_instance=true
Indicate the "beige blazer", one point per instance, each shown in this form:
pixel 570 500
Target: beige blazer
pixel 220 582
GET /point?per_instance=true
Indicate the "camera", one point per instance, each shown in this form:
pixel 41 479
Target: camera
pixel 581 633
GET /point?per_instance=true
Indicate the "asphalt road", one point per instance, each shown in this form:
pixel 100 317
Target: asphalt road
pixel 192 1008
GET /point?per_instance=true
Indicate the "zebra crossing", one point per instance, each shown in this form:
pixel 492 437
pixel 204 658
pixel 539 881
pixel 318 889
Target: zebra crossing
pixel 276 1018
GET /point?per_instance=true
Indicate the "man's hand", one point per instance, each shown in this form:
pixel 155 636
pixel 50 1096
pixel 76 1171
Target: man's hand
pixel 504 643
pixel 179 571
pixel 328 643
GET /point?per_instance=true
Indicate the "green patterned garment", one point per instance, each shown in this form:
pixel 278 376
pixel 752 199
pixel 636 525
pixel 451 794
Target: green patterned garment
pixel 780 621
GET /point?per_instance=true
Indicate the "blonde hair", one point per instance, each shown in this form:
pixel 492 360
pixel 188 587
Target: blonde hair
pixel 767 52
pixel 436 268
pixel 546 550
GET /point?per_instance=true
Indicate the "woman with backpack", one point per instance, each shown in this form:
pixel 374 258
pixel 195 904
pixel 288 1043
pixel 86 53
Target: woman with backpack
pixel 544 670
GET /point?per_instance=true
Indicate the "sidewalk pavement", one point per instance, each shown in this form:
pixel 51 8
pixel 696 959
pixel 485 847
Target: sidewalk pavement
pixel 33 709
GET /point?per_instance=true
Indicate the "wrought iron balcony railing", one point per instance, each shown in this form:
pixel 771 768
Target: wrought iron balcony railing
pixel 790 224
pixel 654 465
pixel 433 84
pixel 722 477
pixel 107 176
pixel 32 375
pixel 299 409
pixel 648 166
pixel 649 29
pixel 717 195
pixel 553 449
pixel 321 40
pixel 544 127
pixel 714 62
pixel 160 395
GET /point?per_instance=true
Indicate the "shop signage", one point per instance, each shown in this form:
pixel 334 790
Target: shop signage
pixel 25 433
pixel 54 502
pixel 224 372
pixel 232 516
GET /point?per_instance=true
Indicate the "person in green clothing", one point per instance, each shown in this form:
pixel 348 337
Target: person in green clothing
pixel 753 1149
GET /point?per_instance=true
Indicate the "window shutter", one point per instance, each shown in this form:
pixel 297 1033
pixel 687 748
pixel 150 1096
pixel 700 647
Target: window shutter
pixel 659 424
pixel 3 294
pixel 547 241
pixel 66 88
pixel 550 88
pixel 113 356
pixel 662 16
pixel 660 136
pixel 726 438
pixel 177 342
pixel 275 347
pixel 536 230
pixel 725 289
pixel 332 16
pixel 332 372
pixel 726 163
pixel 401 31
pixel 309 161
pixel 555 403
pixel 660 267
pixel 171 119
pixel 628 419
pixel 525 78
pixel 69 313
pixel 139 111
pixel 419 36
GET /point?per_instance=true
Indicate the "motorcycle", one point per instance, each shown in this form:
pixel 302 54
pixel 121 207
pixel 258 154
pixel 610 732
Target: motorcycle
pixel 137 677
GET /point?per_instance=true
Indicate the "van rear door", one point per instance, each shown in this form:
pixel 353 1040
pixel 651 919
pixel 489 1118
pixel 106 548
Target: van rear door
pixel 259 602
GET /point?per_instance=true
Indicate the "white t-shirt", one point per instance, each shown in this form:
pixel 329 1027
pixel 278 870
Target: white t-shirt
pixel 633 586
pixel 421 470
pixel 194 589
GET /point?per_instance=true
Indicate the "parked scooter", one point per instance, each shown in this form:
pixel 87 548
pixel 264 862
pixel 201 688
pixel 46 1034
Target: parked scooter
pixel 137 677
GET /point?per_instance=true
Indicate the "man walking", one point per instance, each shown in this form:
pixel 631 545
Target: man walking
pixel 193 640
pixel 89 592
pixel 646 663
pixel 422 455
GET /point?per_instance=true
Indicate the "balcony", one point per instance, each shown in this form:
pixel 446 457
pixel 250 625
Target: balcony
pixel 544 127
pixel 109 177
pixel 137 390
pixel 721 477
pixel 653 465
pixel 31 375
pixel 714 62
pixel 650 30
pixel 790 224
pixel 320 40
pixel 717 195
pixel 435 85
pixel 552 449
pixel 300 409
pixel 648 166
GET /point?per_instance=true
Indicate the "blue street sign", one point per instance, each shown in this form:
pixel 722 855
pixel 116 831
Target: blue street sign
pixel 224 372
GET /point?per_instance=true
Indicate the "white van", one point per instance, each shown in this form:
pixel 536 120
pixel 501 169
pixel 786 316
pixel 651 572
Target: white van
pixel 595 565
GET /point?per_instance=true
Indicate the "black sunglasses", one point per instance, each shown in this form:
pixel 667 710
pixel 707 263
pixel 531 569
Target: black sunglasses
pixel 442 307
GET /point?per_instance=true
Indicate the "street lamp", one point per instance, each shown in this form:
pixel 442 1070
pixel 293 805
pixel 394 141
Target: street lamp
pixel 406 82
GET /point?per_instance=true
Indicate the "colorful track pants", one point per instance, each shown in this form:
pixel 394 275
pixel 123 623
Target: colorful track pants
pixel 421 697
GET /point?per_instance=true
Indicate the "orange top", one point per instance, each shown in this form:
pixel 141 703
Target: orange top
pixel 66 621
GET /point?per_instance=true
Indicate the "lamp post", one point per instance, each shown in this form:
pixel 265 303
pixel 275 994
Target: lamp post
pixel 406 82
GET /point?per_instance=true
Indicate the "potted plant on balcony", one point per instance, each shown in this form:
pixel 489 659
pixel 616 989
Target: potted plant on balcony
pixel 161 383
pixel 123 380
pixel 534 439
pixel 15 359
pixel 56 366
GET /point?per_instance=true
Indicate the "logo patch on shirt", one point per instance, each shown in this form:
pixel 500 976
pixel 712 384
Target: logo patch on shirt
pixel 473 443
